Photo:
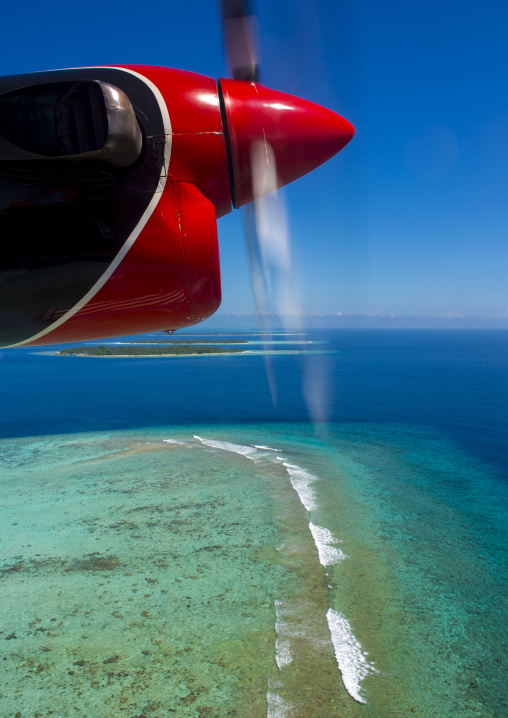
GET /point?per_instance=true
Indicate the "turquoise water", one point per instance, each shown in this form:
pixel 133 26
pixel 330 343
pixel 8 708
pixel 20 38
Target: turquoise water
pixel 149 577
pixel 240 567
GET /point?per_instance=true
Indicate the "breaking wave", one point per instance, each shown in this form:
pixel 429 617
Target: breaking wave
pixel 249 452
pixel 351 659
pixel 301 481
pixel 324 540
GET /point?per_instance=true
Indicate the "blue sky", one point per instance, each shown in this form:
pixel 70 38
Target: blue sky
pixel 412 217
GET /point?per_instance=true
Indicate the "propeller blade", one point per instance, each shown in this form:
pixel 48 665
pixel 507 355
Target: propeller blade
pixel 268 248
pixel 240 39
pixel 317 387
pixel 260 290
pixel 272 232
pixel 267 234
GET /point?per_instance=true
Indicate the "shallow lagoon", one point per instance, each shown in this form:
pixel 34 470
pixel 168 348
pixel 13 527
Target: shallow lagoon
pixel 151 573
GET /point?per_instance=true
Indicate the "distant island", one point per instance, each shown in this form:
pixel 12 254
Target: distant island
pixel 108 350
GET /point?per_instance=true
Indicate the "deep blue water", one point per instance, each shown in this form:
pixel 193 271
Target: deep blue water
pixel 453 381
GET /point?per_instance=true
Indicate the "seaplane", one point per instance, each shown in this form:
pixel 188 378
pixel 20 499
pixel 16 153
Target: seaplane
pixel 112 179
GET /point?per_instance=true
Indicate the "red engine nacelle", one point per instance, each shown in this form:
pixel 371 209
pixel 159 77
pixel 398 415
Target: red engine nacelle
pixel 128 221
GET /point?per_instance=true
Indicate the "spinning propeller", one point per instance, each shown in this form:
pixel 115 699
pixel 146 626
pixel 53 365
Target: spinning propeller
pixel 280 139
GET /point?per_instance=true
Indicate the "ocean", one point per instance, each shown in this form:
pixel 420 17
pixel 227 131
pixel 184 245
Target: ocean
pixel 173 544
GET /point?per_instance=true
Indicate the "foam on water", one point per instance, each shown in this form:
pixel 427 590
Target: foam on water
pixel 350 656
pixel 248 451
pixel 276 706
pixel 351 659
pixel 302 481
pixel 324 540
pixel 283 655
pixel 287 622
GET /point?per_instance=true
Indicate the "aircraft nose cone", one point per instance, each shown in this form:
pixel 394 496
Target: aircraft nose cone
pixel 298 135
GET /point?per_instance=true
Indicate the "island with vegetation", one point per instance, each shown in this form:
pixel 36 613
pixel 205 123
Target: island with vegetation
pixel 159 349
